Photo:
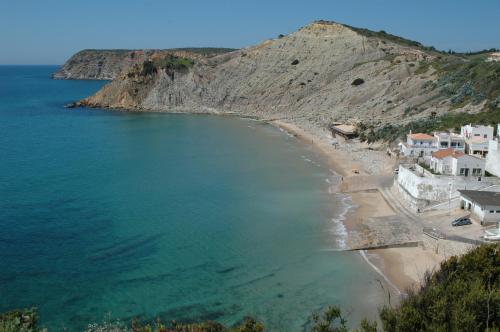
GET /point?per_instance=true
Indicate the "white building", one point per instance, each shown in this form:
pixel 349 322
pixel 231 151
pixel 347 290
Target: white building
pixel 453 162
pixel 495 56
pixel 418 145
pixel 493 157
pixel 483 205
pixel 469 131
pixel 478 146
pixel 446 140
pixel 477 139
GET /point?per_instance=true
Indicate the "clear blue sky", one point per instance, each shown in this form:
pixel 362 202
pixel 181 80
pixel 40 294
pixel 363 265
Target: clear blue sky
pixel 49 31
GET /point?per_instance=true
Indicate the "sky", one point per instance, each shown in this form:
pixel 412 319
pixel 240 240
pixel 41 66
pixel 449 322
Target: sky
pixel 50 31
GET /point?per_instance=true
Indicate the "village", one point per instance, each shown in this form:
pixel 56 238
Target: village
pixel 443 195
pixel 460 169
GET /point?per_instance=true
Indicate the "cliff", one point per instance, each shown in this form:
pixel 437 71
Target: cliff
pixel 322 73
pixel 107 64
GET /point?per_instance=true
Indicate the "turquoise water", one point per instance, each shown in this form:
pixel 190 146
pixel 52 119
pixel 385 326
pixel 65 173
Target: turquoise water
pixel 113 214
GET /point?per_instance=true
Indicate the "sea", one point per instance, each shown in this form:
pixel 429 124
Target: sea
pixel 106 216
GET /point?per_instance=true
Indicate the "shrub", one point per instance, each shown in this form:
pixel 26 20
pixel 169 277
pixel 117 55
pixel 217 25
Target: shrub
pixel 172 62
pixel 148 68
pixel 358 81
pixel 463 295
pixel 19 321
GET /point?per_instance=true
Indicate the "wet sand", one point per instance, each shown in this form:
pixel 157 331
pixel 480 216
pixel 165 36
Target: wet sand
pixel 401 268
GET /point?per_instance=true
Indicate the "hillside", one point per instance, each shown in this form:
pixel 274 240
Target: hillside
pixel 322 73
pixel 107 64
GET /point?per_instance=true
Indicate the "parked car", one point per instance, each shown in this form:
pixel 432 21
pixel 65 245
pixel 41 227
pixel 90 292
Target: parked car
pixel 461 222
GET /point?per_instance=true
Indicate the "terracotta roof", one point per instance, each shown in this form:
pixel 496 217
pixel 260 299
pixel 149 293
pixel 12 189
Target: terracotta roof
pixel 421 136
pixel 447 153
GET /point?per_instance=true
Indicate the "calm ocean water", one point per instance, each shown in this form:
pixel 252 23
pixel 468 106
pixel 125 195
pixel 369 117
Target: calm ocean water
pixel 113 214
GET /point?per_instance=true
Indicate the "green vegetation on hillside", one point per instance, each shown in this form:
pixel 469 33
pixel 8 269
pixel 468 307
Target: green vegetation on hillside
pixel 170 63
pixel 452 120
pixel 173 62
pixel 463 295
pixel 463 81
pixel 470 80
pixel 393 38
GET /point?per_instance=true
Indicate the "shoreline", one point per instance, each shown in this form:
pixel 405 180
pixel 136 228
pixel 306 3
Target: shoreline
pixel 401 268
pixel 395 268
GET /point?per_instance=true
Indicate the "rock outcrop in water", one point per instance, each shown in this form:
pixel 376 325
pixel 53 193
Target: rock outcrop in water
pixel 322 73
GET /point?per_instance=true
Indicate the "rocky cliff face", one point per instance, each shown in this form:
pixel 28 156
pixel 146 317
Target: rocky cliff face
pixel 108 64
pixel 322 73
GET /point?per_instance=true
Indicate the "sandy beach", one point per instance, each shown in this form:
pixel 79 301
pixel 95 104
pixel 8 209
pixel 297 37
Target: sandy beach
pixel 402 268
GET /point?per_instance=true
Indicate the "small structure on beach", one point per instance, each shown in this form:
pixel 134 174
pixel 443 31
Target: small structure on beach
pixel 483 205
pixel 345 130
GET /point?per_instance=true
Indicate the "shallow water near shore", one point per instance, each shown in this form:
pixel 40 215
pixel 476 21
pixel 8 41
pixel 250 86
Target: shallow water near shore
pixel 187 217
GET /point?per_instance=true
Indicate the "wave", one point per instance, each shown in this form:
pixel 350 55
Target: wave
pixel 338 228
pixel 307 160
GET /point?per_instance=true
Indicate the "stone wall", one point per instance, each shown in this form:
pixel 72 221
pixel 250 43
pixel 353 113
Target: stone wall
pixel 420 188
pixel 445 247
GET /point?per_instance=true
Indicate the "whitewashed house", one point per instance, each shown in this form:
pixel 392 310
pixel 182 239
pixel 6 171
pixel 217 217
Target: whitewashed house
pixel 453 162
pixel 441 161
pixel 470 130
pixel 483 205
pixel 493 57
pixel 493 157
pixel 446 140
pixel 477 139
pixel 418 145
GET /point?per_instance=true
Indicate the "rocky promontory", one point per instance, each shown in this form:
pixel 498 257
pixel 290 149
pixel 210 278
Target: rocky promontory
pixel 107 64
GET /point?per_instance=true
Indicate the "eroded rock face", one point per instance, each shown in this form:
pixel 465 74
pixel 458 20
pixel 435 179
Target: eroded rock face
pixel 108 64
pixel 305 78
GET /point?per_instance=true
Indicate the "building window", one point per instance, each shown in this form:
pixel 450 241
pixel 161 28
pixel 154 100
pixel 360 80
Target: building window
pixel 476 171
pixel 462 171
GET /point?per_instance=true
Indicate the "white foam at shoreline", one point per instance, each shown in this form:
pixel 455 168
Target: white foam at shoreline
pixel 307 160
pixel 338 228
